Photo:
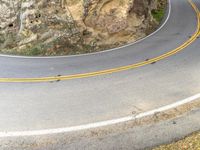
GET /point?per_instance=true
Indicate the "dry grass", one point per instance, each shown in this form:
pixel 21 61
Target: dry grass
pixel 189 143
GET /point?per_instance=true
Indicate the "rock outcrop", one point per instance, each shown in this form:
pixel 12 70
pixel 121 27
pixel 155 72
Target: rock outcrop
pixel 58 27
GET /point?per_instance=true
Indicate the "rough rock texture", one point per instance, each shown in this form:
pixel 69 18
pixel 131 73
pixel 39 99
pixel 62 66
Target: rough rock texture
pixel 56 27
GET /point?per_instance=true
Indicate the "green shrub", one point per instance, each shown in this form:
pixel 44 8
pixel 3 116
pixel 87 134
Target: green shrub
pixel 158 14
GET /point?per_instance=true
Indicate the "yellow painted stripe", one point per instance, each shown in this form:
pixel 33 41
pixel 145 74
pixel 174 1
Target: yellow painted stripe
pixel 118 69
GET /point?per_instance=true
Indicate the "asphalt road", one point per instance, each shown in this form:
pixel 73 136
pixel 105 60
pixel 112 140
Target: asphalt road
pixel 27 106
pixel 136 138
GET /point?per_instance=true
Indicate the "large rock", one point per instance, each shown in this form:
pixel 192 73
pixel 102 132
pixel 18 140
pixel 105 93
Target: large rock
pixel 51 27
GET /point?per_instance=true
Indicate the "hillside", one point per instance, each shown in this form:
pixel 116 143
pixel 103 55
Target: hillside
pixel 63 27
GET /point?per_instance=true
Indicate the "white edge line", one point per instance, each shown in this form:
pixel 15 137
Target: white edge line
pixel 103 123
pixel 109 50
pixel 99 124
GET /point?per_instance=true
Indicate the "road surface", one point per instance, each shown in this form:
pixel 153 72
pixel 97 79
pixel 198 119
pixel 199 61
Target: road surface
pixel 50 93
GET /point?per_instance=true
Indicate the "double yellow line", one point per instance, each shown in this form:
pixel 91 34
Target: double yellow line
pixel 118 69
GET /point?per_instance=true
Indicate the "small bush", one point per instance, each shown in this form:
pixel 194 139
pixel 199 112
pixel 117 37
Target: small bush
pixel 158 14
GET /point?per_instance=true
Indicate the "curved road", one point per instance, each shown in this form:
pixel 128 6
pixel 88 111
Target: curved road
pixel 49 93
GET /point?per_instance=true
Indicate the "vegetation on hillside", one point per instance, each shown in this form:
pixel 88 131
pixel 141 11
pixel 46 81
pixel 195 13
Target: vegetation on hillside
pixel 189 143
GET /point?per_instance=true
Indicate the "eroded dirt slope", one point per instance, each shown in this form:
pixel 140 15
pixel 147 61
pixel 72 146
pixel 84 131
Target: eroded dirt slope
pixel 60 27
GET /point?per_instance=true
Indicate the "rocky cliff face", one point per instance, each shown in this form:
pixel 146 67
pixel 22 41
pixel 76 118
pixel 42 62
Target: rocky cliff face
pixel 56 27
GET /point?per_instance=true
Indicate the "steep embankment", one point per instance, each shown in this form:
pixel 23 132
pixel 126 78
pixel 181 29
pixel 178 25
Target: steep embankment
pixel 60 27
